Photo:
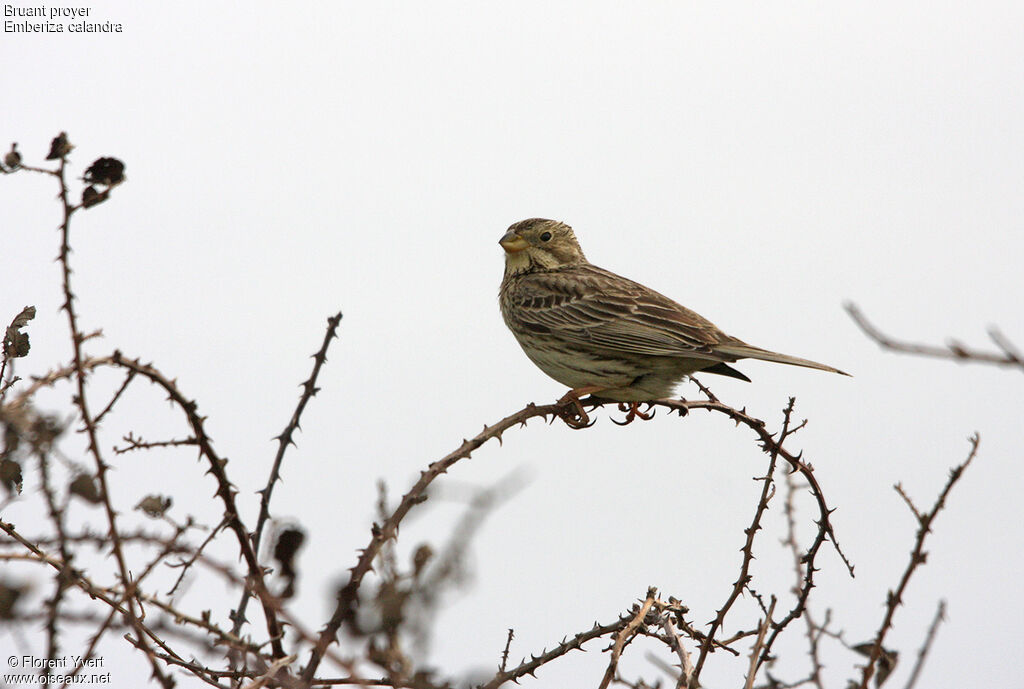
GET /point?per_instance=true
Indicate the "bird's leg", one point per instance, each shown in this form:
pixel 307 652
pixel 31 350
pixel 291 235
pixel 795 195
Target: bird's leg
pixel 632 410
pixel 573 413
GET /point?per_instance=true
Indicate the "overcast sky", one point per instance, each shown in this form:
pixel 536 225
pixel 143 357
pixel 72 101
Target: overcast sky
pixel 760 163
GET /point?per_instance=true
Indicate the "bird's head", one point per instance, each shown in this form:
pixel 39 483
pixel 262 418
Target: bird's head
pixel 539 244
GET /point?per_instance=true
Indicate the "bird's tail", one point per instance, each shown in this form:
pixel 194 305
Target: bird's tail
pixel 745 351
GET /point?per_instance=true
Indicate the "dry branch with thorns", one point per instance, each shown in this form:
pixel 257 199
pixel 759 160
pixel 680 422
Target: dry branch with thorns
pixel 235 652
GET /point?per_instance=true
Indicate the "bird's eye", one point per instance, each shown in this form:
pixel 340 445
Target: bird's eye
pixel 545 237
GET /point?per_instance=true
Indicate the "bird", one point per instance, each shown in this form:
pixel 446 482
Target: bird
pixel 603 334
pixel 13 159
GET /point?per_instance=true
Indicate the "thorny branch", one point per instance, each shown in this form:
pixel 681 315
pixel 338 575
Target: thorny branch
pixel 348 598
pixel 675 644
pixel 624 628
pixel 812 629
pixel 623 635
pixel 917 558
pixel 770 445
pixel 382 533
pixel 225 490
pixel 767 491
pixel 504 653
pixel 309 389
pixel 125 604
pixel 88 423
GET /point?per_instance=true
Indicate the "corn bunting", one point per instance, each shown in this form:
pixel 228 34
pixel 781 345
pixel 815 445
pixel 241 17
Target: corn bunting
pixel 603 334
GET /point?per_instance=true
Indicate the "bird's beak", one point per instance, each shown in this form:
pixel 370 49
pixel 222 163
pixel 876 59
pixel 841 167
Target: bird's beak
pixel 512 242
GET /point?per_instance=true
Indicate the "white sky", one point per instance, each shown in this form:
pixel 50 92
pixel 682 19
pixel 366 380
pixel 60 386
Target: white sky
pixel 760 164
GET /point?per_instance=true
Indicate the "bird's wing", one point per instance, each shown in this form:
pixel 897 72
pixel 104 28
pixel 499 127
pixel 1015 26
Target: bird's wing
pixel 591 306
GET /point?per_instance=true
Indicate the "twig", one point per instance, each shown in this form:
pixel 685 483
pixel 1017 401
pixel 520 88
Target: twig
pixel 798 570
pixel 56 515
pixel 1010 355
pixel 504 653
pixel 194 667
pixel 917 558
pixel 767 491
pixel 624 634
pixel 309 389
pixel 137 443
pixel 676 644
pixel 111 598
pixel 53 377
pixel 529 667
pixel 225 490
pixel 223 637
pixel 382 533
pixel 117 395
pixel 100 540
pixel 268 676
pixel 187 564
pixel 446 564
pixel 940 615
pixel 769 444
pixel 756 651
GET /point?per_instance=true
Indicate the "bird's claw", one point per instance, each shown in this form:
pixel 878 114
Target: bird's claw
pixel 573 413
pixel 633 412
pixel 577 419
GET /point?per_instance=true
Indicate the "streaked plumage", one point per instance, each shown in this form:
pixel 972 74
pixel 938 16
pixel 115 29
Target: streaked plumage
pixel 589 328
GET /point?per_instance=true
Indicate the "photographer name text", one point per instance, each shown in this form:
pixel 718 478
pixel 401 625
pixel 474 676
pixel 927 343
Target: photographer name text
pixel 68 662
